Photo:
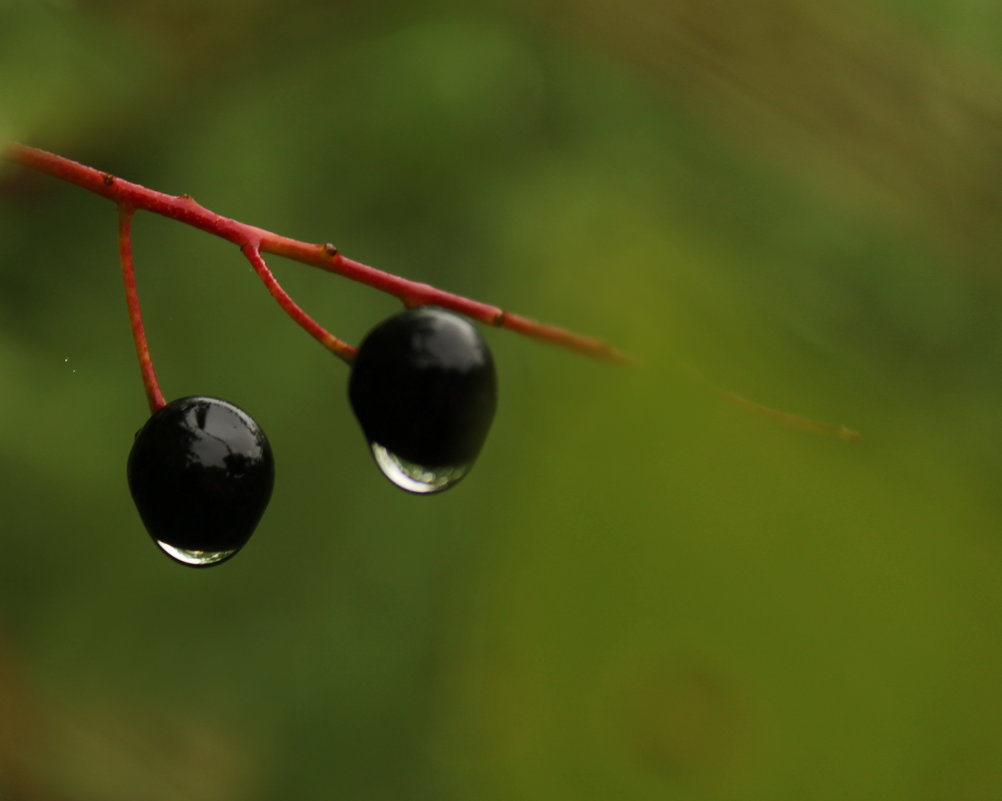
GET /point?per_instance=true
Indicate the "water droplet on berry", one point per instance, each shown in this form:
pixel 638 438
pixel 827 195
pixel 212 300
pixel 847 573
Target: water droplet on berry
pixel 195 558
pixel 415 477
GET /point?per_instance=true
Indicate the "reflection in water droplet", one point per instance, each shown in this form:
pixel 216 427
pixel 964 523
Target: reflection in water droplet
pixel 415 477
pixel 195 558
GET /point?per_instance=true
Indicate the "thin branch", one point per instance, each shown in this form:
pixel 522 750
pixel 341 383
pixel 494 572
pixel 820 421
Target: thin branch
pixel 790 419
pixel 183 208
pixel 787 418
pixel 254 241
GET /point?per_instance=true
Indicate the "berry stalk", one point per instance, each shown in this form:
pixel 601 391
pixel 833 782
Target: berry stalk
pixel 338 347
pixel 153 393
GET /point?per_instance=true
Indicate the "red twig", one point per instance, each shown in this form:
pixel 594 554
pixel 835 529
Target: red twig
pixel 255 241
pixel 338 347
pixel 153 393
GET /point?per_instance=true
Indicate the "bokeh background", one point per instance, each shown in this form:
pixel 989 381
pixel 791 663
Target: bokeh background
pixel 644 590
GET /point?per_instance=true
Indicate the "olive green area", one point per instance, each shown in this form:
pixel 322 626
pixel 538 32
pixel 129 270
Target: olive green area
pixel 650 586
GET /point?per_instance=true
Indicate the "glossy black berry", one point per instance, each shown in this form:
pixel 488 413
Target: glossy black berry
pixel 424 390
pixel 201 474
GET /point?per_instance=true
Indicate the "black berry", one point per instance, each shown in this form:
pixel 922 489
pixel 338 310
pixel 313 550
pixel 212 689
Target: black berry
pixel 201 474
pixel 423 388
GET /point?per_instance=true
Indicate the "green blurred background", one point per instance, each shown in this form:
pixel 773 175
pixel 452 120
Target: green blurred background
pixel 643 590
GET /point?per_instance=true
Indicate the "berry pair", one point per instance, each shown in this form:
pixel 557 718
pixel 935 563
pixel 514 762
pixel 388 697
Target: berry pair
pixel 422 386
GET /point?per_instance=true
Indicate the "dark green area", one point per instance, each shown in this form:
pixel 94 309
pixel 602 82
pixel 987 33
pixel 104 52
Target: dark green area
pixel 644 590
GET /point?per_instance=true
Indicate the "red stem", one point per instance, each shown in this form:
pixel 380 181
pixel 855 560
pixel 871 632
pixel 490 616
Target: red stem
pixel 254 240
pixel 338 347
pixel 153 393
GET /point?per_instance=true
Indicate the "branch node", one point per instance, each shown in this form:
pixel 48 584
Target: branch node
pixel 330 250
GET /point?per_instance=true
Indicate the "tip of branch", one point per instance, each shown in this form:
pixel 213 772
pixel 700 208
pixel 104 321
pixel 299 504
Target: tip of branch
pixel 610 354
